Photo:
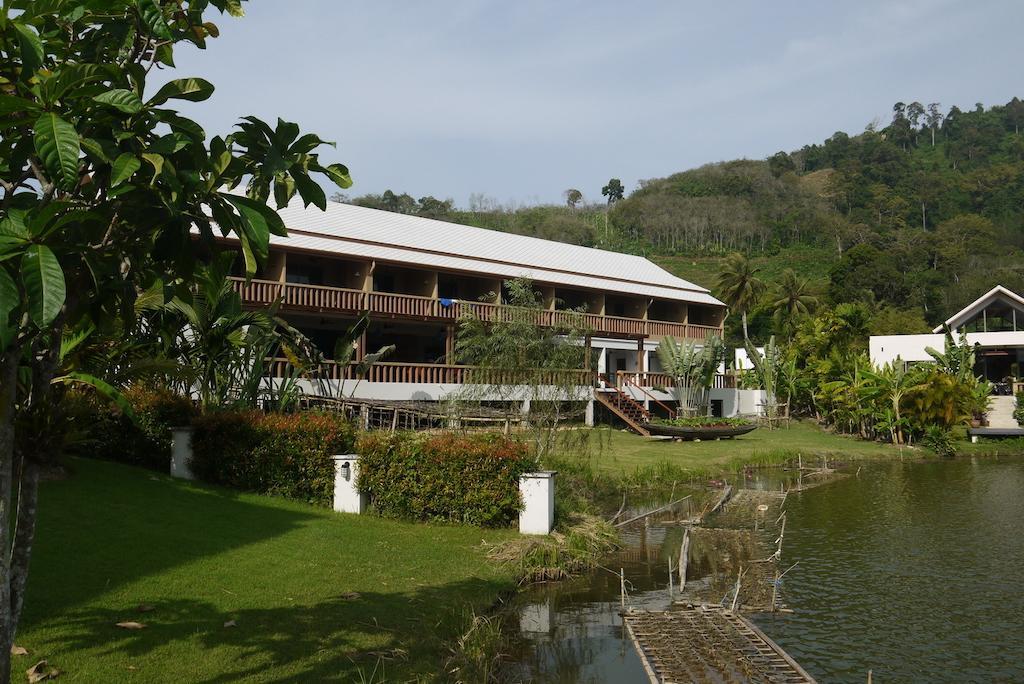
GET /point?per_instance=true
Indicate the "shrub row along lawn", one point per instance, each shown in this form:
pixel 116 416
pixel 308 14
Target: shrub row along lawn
pixel 235 586
pixel 616 452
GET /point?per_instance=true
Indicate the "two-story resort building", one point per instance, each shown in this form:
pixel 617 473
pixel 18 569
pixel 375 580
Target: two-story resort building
pixel 416 277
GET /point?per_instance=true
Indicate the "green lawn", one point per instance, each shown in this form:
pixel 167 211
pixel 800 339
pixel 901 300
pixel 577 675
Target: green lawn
pixel 623 453
pixel 314 595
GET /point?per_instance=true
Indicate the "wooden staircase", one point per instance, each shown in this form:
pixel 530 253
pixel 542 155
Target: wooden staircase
pixel 625 407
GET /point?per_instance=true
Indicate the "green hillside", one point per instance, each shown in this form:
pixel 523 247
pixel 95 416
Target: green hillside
pixel 914 219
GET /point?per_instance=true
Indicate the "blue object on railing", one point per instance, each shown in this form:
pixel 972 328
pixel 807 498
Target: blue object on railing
pixel 446 302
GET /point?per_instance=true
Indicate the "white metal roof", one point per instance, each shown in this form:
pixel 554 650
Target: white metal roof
pixel 347 229
pixel 974 308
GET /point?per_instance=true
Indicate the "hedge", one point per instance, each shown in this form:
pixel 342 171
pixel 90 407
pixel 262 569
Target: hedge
pixel 281 454
pixel 452 478
pixel 103 431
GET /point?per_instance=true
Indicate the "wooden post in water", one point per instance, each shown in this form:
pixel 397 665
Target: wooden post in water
pixel 775 589
pixel 684 559
pixel 736 596
pixel 622 588
pixel 670 588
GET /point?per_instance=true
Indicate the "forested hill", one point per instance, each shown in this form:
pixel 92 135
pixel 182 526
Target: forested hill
pixel 915 219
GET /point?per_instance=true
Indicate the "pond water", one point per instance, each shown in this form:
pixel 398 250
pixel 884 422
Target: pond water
pixel 911 570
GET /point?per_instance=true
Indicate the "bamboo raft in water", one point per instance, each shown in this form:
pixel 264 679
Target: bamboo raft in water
pixel 706 643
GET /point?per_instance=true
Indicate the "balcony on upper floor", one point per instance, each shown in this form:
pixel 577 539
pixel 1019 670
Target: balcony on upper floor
pixel 303 297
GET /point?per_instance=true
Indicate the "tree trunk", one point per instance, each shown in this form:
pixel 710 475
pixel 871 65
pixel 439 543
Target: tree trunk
pixel 743 317
pixel 8 396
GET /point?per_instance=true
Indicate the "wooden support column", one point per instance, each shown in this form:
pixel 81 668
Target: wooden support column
pixel 640 355
pixel 586 352
pixel 368 277
pixel 361 348
pixel 449 345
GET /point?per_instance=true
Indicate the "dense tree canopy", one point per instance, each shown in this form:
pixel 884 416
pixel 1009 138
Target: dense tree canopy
pixel 103 188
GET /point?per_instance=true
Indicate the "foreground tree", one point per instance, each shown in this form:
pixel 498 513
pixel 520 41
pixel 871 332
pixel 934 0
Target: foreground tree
pixel 104 187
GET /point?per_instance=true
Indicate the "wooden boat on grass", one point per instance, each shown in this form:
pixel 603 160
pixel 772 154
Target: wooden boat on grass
pixel 699 431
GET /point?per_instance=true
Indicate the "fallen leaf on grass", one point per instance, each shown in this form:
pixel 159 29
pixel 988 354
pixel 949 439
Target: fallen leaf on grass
pixel 350 595
pixel 144 608
pixel 41 671
pixel 19 650
pixel 230 623
pixel 130 625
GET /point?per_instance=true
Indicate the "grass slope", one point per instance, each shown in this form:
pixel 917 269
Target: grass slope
pixel 626 454
pixel 810 263
pixel 112 537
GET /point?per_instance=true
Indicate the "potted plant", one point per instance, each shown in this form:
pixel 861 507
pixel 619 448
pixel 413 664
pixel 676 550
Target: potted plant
pixel 978 403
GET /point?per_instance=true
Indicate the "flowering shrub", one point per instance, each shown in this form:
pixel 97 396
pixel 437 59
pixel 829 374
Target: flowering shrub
pixel 282 454
pixel 471 479
pixel 103 431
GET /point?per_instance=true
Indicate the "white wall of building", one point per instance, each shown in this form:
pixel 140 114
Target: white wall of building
pixel 885 349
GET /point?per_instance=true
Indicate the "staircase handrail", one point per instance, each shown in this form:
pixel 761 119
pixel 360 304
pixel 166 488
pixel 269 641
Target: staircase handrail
pixel 627 379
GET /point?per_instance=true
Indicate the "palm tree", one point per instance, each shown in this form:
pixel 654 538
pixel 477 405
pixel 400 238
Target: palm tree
pixel 739 286
pixel 791 301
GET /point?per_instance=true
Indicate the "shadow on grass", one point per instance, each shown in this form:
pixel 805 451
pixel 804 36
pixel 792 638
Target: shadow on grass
pixel 107 524
pixel 366 637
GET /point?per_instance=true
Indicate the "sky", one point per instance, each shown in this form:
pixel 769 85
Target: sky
pixel 522 100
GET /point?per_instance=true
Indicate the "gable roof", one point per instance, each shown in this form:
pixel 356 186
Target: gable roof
pixel 978 305
pixel 347 229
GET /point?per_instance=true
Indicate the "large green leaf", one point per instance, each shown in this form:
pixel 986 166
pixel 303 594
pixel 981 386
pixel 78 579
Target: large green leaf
pixel 104 388
pixel 57 145
pixel 309 189
pixel 121 99
pixel 31 49
pixel 9 301
pixel 72 76
pixel 102 150
pixel 123 168
pixel 9 104
pixel 14 234
pixel 156 161
pixel 153 16
pixel 254 222
pixel 270 217
pixel 191 89
pixel 43 279
pixel 339 174
pixel 232 7
pixel 9 296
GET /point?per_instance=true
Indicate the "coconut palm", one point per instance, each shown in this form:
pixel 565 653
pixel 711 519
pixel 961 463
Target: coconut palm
pixel 739 286
pixel 791 301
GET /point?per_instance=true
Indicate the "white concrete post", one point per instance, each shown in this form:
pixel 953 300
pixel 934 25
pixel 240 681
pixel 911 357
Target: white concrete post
pixel 347 497
pixel 588 416
pixel 181 453
pixel 538 492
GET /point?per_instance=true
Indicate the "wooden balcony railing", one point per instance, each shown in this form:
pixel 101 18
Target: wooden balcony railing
pixel 321 298
pixel 432 374
pixel 651 380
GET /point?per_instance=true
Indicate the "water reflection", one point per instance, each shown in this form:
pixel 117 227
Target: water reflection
pixel 910 570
